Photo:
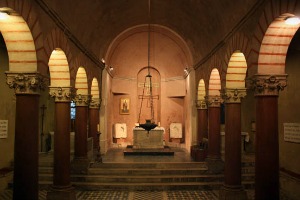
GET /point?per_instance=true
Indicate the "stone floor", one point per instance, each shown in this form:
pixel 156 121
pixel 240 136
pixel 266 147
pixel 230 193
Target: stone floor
pixel 116 155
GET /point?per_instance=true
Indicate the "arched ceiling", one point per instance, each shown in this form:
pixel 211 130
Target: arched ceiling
pixel 201 23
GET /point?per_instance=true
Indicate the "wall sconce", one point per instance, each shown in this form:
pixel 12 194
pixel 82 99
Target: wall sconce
pixel 111 68
pixel 294 20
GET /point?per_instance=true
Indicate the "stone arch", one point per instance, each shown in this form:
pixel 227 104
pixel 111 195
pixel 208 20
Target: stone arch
pixel 236 71
pixel 26 29
pixel 59 69
pixel 272 37
pixel 81 83
pixel 214 86
pixel 95 89
pixel 201 90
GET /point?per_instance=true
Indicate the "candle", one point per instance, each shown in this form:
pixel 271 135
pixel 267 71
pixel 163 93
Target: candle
pixel 98 127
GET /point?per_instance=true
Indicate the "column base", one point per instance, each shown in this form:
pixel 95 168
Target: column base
pixel 215 165
pixel 61 193
pixel 80 165
pixel 232 193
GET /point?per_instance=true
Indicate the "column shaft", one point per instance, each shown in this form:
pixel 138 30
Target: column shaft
pixel 61 176
pixel 267 148
pixel 233 144
pixel 81 132
pixel 202 125
pixel 94 121
pixel 26 147
pixel 214 133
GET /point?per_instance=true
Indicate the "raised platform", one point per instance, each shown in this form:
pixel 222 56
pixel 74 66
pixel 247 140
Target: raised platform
pixel 166 151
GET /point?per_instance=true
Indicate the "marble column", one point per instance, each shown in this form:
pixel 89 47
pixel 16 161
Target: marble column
pixel 202 121
pixel 27 89
pixel 215 163
pixel 232 188
pixel 94 126
pixel 267 89
pixel 81 162
pixel 61 188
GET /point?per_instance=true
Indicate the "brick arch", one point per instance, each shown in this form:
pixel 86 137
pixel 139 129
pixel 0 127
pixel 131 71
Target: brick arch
pixel 201 90
pixel 95 88
pixel 214 86
pixel 56 40
pixel 272 37
pixel 81 82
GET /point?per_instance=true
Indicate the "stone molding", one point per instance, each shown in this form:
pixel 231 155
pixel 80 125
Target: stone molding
pixel 82 99
pixel 62 94
pixel 214 101
pixel 26 82
pixel 201 104
pixel 95 103
pixel 268 85
pixel 233 95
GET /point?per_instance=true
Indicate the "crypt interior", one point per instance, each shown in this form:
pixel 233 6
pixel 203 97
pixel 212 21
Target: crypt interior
pixel 216 82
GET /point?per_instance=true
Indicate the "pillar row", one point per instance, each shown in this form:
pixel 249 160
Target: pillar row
pixel 202 121
pixel 232 188
pixel 94 131
pixel 267 89
pixel 61 188
pixel 27 88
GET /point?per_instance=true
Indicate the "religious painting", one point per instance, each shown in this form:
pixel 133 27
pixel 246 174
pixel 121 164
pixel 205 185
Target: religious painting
pixel 124 106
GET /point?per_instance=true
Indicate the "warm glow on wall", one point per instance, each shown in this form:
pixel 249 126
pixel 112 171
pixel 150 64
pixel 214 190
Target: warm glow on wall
pixel 3 15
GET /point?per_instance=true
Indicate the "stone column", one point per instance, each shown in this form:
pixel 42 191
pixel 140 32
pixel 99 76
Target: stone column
pixel 62 188
pixel 202 121
pixel 215 163
pixel 94 124
pixel 232 188
pixel 81 162
pixel 267 145
pixel 27 89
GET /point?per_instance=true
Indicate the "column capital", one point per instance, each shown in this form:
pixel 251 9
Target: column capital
pixel 233 95
pixel 213 101
pixel 268 85
pixel 62 94
pixel 82 99
pixel 95 103
pixel 26 82
pixel 201 104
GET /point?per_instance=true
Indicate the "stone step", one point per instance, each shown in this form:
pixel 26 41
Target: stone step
pixel 149 165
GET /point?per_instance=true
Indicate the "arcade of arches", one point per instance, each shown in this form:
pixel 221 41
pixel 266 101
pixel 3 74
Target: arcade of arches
pixel 214 65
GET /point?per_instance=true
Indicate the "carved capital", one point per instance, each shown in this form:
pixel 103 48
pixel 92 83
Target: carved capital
pixel 214 101
pixel 233 95
pixel 95 103
pixel 268 85
pixel 201 104
pixel 26 82
pixel 82 100
pixel 62 94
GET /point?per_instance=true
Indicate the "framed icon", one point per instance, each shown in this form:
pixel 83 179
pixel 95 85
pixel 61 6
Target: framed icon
pixel 124 106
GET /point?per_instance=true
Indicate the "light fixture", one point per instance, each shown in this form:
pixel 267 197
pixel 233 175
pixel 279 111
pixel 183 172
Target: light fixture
pixel 102 60
pixel 111 68
pixel 4 15
pixel 150 124
pixel 294 20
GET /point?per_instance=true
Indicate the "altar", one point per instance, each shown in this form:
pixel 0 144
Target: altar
pixel 154 139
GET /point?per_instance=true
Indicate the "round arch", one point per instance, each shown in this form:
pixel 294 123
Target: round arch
pixel 214 86
pixel 81 82
pixel 236 71
pixel 95 89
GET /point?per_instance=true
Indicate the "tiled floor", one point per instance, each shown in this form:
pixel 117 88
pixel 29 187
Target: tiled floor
pixel 116 155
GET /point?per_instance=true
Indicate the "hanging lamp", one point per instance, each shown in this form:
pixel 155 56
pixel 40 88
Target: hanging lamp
pixel 149 124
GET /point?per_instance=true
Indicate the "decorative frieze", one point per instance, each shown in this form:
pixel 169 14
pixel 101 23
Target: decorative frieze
pixel 214 101
pixel 233 95
pixel 62 94
pixel 201 104
pixel 95 103
pixel 26 82
pixel 82 100
pixel 268 85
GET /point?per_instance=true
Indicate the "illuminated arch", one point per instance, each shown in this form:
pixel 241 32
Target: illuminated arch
pixel 236 71
pixel 214 86
pixel 273 50
pixel 19 41
pixel 201 90
pixel 95 89
pixel 59 69
pixel 81 82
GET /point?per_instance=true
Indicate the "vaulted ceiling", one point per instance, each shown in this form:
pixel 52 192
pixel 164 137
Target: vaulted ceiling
pixel 201 23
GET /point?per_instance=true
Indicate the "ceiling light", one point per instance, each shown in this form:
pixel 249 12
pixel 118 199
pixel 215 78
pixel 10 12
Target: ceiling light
pixel 292 20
